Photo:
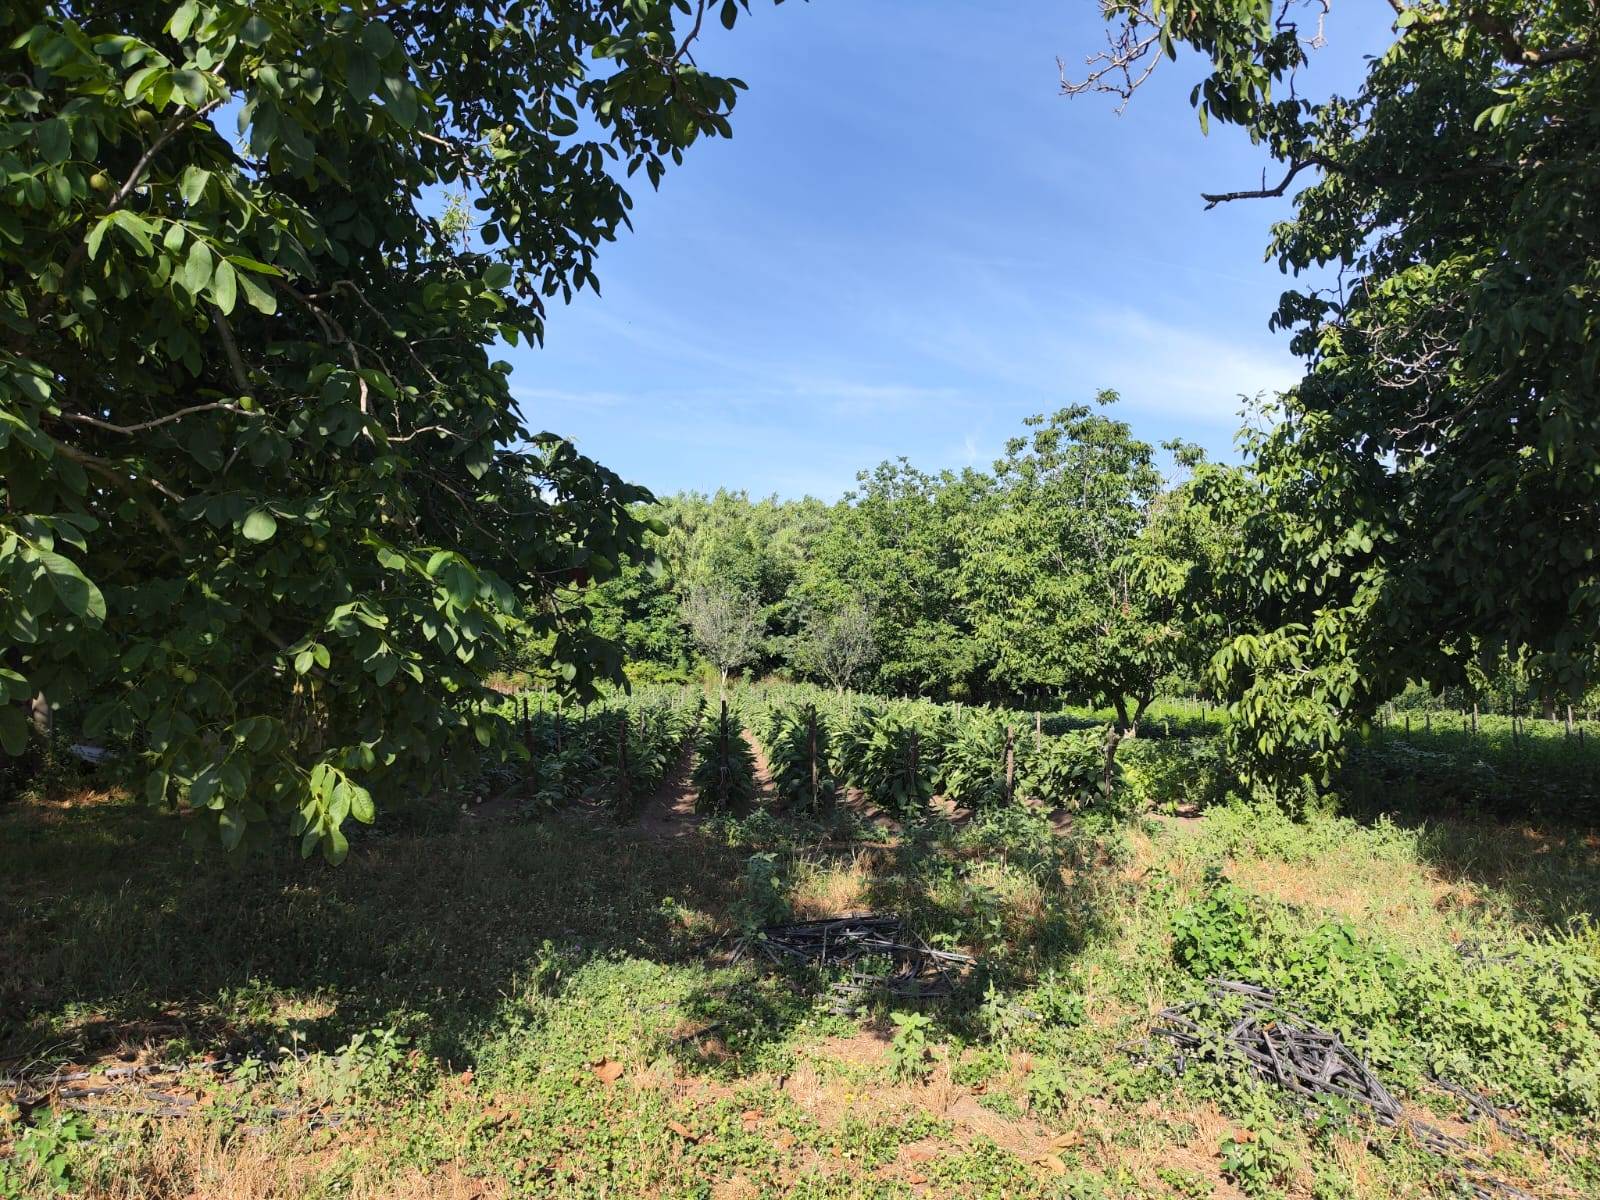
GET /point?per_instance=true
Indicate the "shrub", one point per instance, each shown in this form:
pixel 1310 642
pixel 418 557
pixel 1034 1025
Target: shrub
pixel 908 1049
pixel 1524 1025
pixel 799 756
pixel 976 763
pixel 893 757
pixel 1069 770
pixel 725 769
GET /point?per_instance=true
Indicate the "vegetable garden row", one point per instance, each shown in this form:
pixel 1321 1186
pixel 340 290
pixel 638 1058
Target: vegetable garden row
pixel 898 753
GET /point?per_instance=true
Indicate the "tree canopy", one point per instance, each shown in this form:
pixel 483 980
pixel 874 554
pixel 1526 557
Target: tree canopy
pixel 264 493
pixel 1430 490
pixel 1068 591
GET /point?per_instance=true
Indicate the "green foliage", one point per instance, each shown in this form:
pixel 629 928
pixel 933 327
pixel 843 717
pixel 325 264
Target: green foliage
pixel 980 749
pixel 41 1155
pixel 617 752
pixel 1257 1159
pixel 909 1060
pixel 1067 593
pixel 1426 497
pixel 798 747
pixel 1524 1024
pixel 763 900
pixel 725 767
pixel 892 754
pixel 895 545
pixel 1168 773
pixel 1072 770
pixel 245 526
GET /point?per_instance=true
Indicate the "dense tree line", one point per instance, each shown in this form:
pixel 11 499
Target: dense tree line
pixel 1061 574
pixel 1086 567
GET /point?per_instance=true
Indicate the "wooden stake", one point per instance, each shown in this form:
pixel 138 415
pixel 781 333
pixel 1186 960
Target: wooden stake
pixel 1011 762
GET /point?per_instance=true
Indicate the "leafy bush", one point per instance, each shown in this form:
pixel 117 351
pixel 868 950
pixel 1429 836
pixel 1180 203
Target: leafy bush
pixel 41 1155
pixel 799 756
pixel 725 769
pixel 1069 771
pixel 1257 1159
pixel 763 901
pixel 1166 774
pixel 908 1049
pixel 893 757
pixel 976 761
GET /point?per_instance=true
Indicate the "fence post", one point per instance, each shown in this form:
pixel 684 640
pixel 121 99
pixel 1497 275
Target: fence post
pixel 722 763
pixel 1038 733
pixel 1011 762
pixel 811 748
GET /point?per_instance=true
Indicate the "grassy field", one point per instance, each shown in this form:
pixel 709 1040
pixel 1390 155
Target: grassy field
pixel 477 1007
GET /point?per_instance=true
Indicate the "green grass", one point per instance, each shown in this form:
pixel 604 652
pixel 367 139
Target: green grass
pixel 509 1009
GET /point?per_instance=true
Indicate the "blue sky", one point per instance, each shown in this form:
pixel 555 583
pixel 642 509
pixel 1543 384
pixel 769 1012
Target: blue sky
pixel 911 242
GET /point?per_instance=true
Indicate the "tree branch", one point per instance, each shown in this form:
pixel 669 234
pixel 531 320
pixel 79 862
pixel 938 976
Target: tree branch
pixel 142 426
pixel 1213 199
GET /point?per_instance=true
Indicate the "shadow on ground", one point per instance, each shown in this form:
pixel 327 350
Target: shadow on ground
pixel 115 933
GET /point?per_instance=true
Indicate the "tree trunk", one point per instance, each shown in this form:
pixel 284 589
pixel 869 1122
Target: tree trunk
pixel 1112 739
pixel 1122 714
pixel 40 714
pixel 1138 715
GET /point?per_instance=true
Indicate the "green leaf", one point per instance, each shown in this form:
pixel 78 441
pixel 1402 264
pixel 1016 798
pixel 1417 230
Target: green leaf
pixel 231 827
pixel 335 846
pixel 259 526
pixel 75 590
pixel 54 139
pixel 195 273
pixel 193 185
pixel 258 297
pixel 192 85
pixel 497 276
pixel 98 235
pixel 183 19
pixel 224 287
pixel 255 31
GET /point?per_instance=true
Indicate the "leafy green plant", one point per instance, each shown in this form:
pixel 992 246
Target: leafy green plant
pixel 1048 1086
pixel 1185 1183
pixel 763 900
pixel 799 756
pixel 725 771
pixel 1257 1160
pixel 893 757
pixel 980 762
pixel 1070 771
pixel 42 1155
pixel 909 1060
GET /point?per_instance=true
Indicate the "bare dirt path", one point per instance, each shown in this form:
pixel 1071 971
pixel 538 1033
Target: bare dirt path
pixel 670 813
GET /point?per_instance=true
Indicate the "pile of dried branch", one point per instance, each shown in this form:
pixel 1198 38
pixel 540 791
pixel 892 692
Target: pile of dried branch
pixel 150 1090
pixel 879 955
pixel 1288 1051
pixel 1277 1046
